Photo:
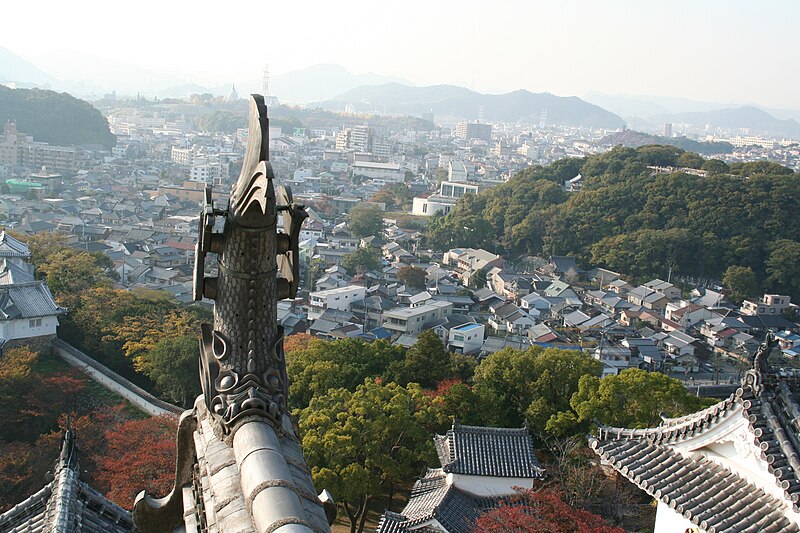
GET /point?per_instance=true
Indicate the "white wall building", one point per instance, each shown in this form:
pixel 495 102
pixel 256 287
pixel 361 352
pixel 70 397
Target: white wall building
pixel 340 298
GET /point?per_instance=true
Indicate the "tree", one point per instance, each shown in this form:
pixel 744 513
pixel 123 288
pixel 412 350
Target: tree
pixel 172 365
pixel 69 272
pixel 411 276
pixel 634 398
pixel 140 455
pixel 690 160
pixel 366 220
pixel 362 260
pixel 533 386
pixel 783 267
pixel 742 282
pixel 538 511
pixel 343 363
pixel 427 362
pixel 478 279
pixel 715 166
pixel 360 444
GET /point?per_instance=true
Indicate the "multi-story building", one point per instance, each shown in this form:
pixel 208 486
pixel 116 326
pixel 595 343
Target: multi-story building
pixel 411 321
pixel 474 130
pixel 341 298
pixel 391 172
pixel 466 338
pixel 456 171
pixel 17 149
pixel 769 304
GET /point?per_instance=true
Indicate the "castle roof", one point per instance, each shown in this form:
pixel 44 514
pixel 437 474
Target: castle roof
pixel 67 504
pixel 673 462
pixel 485 451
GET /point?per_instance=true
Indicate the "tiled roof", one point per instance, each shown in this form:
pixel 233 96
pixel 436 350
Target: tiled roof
pixel 483 451
pixel 27 300
pixel 11 273
pixel 11 247
pixel 433 499
pixel 66 504
pixel 711 496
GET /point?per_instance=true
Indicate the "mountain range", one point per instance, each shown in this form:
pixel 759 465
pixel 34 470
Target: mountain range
pixel 453 101
pixel 333 87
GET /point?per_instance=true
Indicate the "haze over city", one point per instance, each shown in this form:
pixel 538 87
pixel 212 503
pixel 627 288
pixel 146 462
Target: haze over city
pixel 721 51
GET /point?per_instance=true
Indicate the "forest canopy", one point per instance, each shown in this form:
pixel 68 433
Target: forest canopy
pixel 643 224
pixel 55 118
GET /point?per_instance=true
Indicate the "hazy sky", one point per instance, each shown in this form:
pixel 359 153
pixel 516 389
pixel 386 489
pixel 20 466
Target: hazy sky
pixel 717 50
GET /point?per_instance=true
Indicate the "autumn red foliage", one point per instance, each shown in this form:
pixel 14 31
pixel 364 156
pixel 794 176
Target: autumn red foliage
pixel 541 511
pixel 140 454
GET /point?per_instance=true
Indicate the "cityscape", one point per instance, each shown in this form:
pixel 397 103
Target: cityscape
pixel 305 299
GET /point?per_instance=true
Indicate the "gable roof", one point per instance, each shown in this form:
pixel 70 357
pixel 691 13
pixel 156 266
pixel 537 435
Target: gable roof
pixel 484 451
pixel 67 504
pixel 27 300
pixel 11 273
pixel 11 247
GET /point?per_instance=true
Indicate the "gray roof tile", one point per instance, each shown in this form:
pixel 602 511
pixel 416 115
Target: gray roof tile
pixel 483 451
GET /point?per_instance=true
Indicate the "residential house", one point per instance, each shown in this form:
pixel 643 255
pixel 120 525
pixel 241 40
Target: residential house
pixel 340 298
pixel 769 304
pixel 412 321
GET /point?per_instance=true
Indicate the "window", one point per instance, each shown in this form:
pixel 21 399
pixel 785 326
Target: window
pixel 34 323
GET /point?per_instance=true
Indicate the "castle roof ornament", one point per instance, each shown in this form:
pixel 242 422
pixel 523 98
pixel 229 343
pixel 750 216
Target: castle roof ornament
pixel 240 425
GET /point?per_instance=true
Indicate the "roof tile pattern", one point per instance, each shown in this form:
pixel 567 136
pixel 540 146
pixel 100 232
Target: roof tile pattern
pixel 27 300
pixel 713 497
pixel 484 451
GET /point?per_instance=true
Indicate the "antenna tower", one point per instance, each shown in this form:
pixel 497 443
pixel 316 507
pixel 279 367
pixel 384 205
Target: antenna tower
pixel 265 82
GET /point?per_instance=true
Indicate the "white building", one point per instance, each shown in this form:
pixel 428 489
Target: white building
pixel 467 338
pixel 432 205
pixel 340 298
pixel 769 304
pixel 411 321
pixel 389 172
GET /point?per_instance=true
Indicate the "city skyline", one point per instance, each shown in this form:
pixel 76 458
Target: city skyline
pixel 729 52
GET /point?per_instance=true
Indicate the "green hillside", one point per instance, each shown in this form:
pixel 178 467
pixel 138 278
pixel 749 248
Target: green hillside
pixel 55 118
pixel 642 224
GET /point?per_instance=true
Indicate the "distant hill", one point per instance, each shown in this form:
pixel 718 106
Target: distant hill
pixel 13 68
pixel 754 119
pixel 56 118
pixel 635 139
pixel 322 82
pixel 449 100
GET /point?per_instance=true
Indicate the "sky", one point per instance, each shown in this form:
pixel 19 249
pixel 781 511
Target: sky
pixel 728 51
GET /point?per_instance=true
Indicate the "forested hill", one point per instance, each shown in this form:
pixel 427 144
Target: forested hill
pixel 632 221
pixel 55 118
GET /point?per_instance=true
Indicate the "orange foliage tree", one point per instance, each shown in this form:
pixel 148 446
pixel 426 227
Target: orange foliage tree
pixel 541 511
pixel 140 454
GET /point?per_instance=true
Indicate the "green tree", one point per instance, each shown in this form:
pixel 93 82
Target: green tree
pixel 634 399
pixel 783 267
pixel 362 260
pixel 715 166
pixel 690 160
pixel 742 282
pixel 361 444
pixel 427 362
pixel 412 276
pixel 172 365
pixel 533 386
pixel 478 279
pixel 365 220
pixel 69 272
pixel 344 363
